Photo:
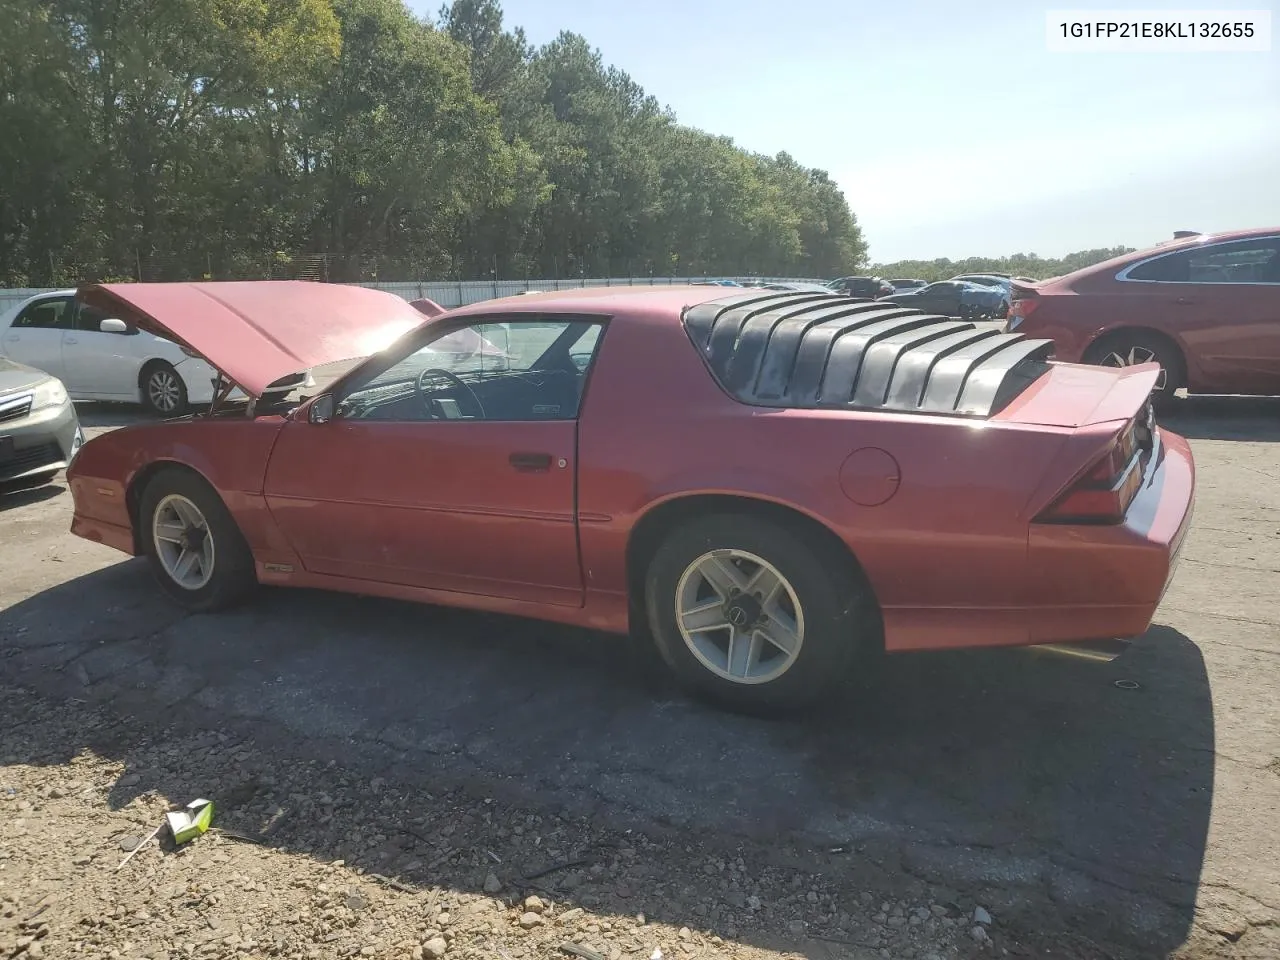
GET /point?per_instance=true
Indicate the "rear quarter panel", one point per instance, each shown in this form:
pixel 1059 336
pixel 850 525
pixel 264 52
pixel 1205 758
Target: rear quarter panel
pixel 655 426
pixel 231 455
pixel 1076 310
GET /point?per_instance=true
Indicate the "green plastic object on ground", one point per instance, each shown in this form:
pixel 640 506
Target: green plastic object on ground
pixel 190 822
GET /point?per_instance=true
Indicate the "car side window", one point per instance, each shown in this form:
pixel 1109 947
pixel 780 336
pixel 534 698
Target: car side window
pixel 88 319
pixel 521 370
pixel 1241 261
pixel 1173 268
pixel 53 314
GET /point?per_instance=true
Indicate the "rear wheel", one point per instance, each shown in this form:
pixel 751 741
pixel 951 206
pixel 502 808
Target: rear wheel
pixel 1128 348
pixel 195 549
pixel 753 615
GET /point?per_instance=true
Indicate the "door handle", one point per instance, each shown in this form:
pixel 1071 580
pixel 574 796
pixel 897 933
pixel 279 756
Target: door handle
pixel 70 340
pixel 1185 301
pixel 530 462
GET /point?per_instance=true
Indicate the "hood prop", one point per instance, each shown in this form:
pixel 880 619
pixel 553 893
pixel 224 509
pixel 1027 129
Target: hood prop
pixel 222 388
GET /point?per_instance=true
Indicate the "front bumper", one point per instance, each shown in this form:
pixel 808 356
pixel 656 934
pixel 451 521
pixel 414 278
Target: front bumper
pixel 41 443
pixel 198 377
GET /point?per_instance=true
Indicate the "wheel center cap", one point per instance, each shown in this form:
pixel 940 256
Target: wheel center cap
pixel 743 610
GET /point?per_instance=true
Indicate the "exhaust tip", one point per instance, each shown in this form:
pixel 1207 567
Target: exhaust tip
pixel 1099 651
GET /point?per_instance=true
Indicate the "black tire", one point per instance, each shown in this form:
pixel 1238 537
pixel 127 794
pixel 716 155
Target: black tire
pixel 1133 345
pixel 839 613
pixel 234 578
pixel 160 384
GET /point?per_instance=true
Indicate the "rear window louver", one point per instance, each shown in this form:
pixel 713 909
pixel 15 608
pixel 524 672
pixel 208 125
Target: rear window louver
pixel 816 351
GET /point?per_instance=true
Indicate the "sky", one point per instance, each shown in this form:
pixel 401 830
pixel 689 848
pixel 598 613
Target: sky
pixel 951 128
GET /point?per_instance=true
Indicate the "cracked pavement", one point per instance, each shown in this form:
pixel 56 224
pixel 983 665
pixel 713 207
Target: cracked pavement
pixel 1145 819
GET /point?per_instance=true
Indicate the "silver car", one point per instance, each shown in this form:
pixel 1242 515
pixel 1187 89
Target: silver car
pixel 39 430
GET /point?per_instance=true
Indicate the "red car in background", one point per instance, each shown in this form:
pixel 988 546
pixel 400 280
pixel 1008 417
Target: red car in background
pixel 1206 307
pixel 767 483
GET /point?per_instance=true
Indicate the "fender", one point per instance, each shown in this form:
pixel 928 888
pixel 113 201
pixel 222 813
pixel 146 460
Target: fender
pixel 231 455
pixel 821 488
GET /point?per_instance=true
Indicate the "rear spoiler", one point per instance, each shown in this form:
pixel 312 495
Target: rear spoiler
pixel 1080 396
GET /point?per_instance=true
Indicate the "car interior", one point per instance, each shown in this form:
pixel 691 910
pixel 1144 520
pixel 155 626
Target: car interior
pixel 486 384
pixel 47 314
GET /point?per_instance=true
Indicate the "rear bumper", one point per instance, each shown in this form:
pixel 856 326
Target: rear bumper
pixel 1069 343
pixel 40 444
pixel 1087 583
pixel 1109 580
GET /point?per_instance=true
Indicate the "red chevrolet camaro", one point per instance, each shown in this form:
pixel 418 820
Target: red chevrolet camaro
pixel 768 483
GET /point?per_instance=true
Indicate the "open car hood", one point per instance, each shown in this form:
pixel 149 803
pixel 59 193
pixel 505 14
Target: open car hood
pixel 259 331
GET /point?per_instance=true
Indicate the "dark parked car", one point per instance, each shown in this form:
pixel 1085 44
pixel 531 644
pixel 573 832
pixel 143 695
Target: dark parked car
pixel 870 287
pixel 986 280
pixel 799 286
pixel 1206 308
pixel 954 298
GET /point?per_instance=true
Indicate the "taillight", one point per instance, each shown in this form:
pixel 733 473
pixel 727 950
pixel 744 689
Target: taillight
pixel 1103 495
pixel 1023 307
pixel 1019 310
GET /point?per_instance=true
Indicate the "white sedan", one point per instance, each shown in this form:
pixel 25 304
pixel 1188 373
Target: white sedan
pixel 103 358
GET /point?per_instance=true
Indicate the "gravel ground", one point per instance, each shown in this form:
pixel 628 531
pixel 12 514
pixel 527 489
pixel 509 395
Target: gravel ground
pixel 307 859
pixel 408 774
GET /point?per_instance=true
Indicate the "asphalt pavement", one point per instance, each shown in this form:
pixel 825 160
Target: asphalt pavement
pixel 1145 813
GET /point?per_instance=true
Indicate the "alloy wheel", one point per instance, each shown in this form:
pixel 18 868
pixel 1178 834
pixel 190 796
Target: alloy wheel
pixel 1131 357
pixel 164 390
pixel 739 616
pixel 183 542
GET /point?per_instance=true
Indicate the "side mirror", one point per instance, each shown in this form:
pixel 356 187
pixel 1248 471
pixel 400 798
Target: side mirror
pixel 112 325
pixel 321 409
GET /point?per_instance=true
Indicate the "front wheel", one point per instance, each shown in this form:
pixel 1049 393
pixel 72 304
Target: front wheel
pixel 195 549
pixel 755 616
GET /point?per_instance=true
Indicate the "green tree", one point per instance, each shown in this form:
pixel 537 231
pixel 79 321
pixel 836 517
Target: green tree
pixel 1019 264
pixel 404 149
pixel 233 138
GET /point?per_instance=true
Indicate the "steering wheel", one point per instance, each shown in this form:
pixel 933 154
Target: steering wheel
pixel 419 387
